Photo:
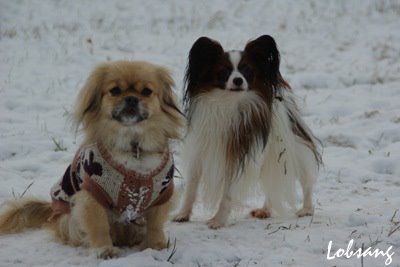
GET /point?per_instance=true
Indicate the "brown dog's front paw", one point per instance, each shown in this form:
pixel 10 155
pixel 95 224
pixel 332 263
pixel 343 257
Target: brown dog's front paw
pixel 181 217
pixel 260 213
pixel 108 252
pixel 159 245
pixel 155 242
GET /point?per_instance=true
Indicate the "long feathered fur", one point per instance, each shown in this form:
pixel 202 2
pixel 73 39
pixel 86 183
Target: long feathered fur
pixel 217 134
pixel 240 138
pixel 286 157
pixel 17 215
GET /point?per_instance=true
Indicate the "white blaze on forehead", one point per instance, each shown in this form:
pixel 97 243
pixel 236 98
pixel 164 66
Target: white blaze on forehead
pixel 234 58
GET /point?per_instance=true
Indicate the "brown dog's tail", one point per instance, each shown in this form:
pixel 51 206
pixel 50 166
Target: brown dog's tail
pixel 24 213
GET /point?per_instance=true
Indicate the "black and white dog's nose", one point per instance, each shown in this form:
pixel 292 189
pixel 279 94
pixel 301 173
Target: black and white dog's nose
pixel 131 100
pixel 238 81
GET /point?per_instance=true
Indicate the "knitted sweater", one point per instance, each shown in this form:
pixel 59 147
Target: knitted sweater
pixel 128 192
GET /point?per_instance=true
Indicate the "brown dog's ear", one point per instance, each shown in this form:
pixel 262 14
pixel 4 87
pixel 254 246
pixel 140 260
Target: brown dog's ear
pixel 167 98
pixel 89 98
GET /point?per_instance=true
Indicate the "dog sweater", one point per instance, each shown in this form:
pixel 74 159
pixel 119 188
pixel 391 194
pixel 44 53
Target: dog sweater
pixel 112 185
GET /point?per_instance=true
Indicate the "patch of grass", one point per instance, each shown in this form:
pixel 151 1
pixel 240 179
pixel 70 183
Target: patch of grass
pixel 391 6
pixel 395 224
pixel 173 251
pixel 334 120
pixel 179 175
pixel 59 145
pixel 371 114
pixel 340 141
pixel 396 120
pixel 8 33
pixel 23 193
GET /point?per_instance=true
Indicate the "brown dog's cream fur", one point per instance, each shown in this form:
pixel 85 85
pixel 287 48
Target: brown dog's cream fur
pixel 89 223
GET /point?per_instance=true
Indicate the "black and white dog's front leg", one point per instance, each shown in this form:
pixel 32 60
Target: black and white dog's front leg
pixel 221 216
pixel 189 195
pixel 307 184
pixel 307 178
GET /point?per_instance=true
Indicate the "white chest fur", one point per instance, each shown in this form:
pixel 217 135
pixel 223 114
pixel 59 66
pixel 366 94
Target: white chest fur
pixel 214 118
pixel 142 164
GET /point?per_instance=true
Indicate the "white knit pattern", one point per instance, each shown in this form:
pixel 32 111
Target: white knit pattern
pixel 111 180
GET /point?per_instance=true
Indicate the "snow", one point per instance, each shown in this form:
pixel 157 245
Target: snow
pixel 341 57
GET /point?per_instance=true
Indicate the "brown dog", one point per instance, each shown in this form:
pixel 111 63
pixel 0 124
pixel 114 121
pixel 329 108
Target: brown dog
pixel 121 178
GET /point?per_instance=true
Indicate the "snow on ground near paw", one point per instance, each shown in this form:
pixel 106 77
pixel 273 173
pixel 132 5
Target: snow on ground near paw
pixel 341 57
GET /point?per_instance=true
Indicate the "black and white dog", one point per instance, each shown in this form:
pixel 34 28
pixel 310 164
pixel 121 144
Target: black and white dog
pixel 244 126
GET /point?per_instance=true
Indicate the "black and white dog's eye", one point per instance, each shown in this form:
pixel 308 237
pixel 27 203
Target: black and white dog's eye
pixel 146 91
pixel 247 72
pixel 223 74
pixel 115 91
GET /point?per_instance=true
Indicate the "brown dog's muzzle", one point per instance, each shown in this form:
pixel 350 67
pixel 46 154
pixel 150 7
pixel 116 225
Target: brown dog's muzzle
pixel 129 111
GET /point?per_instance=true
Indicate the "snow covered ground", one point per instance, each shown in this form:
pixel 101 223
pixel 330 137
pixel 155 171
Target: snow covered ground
pixel 341 57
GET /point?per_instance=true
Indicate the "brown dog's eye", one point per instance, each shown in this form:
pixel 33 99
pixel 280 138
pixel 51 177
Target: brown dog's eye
pixel 146 91
pixel 115 91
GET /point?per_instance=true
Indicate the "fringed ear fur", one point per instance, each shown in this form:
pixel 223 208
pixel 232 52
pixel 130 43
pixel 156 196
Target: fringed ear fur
pixel 89 98
pixel 168 98
pixel 265 54
pixel 202 56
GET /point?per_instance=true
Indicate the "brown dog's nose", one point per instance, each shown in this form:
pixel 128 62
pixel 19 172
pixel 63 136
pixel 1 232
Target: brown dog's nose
pixel 131 100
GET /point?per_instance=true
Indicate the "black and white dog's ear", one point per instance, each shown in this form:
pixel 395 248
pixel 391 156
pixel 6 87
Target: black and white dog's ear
pixel 203 55
pixel 204 52
pixel 265 54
